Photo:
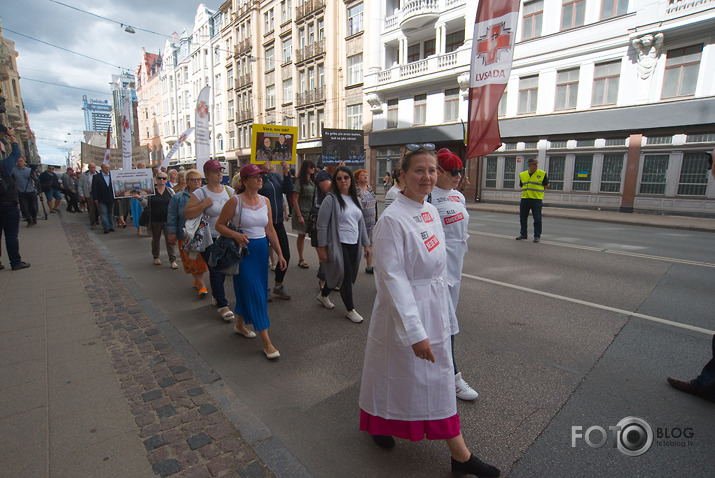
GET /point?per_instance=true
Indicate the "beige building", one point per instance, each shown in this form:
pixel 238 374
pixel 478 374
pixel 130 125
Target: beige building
pixel 149 112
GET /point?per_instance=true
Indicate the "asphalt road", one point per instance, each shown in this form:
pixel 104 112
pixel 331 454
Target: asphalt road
pixel 579 330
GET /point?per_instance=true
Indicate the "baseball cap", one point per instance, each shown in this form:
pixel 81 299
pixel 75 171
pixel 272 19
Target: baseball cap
pixel 212 165
pixel 249 170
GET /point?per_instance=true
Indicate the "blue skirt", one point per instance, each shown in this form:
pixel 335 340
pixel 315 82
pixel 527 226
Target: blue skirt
pixel 251 285
pixel 136 212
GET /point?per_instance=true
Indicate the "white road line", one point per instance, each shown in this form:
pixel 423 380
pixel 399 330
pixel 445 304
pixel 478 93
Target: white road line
pixel 607 251
pixel 591 304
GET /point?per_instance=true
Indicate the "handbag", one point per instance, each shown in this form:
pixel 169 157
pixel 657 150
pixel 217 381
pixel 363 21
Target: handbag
pixel 144 216
pixel 226 255
pixel 197 235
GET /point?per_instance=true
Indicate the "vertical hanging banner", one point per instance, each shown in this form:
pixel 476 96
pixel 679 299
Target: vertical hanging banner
pixel 201 133
pixel 492 54
pixel 175 148
pixel 126 136
pixel 107 155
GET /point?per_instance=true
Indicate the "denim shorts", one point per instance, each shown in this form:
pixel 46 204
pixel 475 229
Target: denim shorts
pixel 53 193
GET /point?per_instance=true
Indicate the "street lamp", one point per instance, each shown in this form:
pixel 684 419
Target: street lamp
pixel 128 28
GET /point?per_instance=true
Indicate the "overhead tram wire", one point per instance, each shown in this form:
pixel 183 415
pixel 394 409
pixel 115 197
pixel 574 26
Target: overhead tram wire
pixel 65 49
pixel 65 86
pixel 111 20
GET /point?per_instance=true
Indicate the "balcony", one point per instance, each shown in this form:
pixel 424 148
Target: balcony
pixel 310 51
pixel 308 7
pixel 418 14
pixel 244 46
pixel 244 115
pixel 434 66
pixel 316 95
pixel 243 80
pixel 390 23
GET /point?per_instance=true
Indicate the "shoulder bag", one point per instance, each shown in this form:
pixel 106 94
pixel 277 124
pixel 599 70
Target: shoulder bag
pixel 197 236
pixel 226 255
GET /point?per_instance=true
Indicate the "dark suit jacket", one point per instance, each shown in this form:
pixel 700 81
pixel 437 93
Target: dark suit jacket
pixel 100 191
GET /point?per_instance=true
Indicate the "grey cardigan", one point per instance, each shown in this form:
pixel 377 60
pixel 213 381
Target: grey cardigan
pixel 329 235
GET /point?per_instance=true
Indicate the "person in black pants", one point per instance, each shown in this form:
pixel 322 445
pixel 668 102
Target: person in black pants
pixel 24 180
pixel 274 187
pixel 9 211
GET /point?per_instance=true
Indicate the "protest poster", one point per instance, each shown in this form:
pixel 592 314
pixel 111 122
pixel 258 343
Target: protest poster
pixel 126 181
pixel 275 143
pixel 343 145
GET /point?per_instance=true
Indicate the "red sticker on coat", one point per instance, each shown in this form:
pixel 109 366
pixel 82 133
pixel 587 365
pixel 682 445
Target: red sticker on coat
pixel 453 219
pixel 426 217
pixel 431 243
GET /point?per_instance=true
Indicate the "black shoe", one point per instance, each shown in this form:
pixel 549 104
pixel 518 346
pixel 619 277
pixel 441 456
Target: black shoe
pixel 111 229
pixel 474 466
pixel 688 387
pixel 21 265
pixel 384 441
pixel 520 238
pixel 1 267
pixel 369 270
pixel 537 239
pixel 106 231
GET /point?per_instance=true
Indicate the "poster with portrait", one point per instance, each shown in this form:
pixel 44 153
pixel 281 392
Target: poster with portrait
pixel 347 145
pixel 126 181
pixel 275 143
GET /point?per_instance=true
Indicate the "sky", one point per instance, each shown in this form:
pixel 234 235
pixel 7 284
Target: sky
pixel 55 112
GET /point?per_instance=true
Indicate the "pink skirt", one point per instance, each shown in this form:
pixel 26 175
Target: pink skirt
pixel 442 429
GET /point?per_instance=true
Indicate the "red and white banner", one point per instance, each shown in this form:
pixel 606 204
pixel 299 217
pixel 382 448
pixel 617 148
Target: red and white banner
pixel 202 139
pixel 106 154
pixel 126 136
pixel 175 148
pixel 492 53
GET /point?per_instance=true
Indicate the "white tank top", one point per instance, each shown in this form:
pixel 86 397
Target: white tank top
pixel 214 210
pixel 254 219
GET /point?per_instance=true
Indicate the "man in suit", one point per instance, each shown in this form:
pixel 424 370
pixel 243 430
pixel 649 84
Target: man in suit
pixel 85 192
pixel 103 197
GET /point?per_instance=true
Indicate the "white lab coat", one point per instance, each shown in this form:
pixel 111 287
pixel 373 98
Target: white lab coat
pixel 455 221
pixel 412 304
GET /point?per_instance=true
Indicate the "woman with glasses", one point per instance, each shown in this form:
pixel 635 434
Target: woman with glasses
pixel 454 216
pixel 175 225
pixel 303 199
pixel 209 199
pixel 368 200
pixel 407 388
pixel 136 205
pixel 158 205
pixel 341 232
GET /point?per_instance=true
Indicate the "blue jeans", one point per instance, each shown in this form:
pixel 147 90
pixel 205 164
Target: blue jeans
pixel 9 225
pixel 706 380
pixel 216 279
pixel 106 214
pixel 533 205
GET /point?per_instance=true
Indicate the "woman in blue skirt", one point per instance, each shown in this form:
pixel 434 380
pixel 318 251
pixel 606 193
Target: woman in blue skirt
pixel 251 284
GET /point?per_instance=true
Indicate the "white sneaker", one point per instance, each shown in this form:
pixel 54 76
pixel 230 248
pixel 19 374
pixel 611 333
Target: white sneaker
pixel 464 391
pixel 354 316
pixel 325 301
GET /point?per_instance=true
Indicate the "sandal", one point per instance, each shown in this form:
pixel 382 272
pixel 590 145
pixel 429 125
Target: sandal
pixel 303 265
pixel 225 313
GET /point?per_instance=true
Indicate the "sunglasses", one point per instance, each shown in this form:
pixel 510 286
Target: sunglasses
pixel 342 178
pixel 163 178
pixel 416 147
pixel 454 172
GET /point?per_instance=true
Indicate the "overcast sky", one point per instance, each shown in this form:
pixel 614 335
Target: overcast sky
pixel 55 112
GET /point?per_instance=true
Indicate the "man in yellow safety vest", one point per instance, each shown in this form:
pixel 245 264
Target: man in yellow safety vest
pixel 533 182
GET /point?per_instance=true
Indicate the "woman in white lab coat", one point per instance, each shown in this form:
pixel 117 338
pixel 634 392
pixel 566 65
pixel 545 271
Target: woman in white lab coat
pixel 454 217
pixel 407 388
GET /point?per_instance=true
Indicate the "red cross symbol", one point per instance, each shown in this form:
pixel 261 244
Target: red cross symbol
pixel 488 47
pixel 203 109
pixel 125 123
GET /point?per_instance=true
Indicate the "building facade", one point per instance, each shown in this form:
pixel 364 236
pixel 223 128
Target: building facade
pixel 97 114
pixel 123 87
pixel 615 98
pixel 149 111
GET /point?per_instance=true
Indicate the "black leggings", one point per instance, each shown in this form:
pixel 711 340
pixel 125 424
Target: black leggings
pixel 351 259
pixel 285 249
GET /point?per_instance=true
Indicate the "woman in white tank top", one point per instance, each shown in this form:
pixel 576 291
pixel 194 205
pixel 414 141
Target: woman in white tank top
pixel 251 283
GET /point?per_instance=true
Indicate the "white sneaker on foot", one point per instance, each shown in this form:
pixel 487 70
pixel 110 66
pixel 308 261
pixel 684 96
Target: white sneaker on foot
pixel 325 301
pixel 464 391
pixel 354 316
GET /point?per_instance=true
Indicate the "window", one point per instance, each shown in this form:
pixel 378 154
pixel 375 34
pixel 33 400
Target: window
pixel 572 13
pixel 355 19
pixel 650 140
pixel 301 38
pixel 311 123
pixel 567 89
pixel 286 10
pixel 430 47
pixel 229 79
pixel 303 126
pixel 451 104
pixel 311 34
pixel 354 117
pixel 392 110
pixel 321 75
pixel 693 175
pixel 217 55
pixel 355 69
pixel 528 89
pixel 490 179
pixel 557 166
pixel 509 172
pixel 231 140
pixel 219 142
pixel 502 105
pixel 217 116
pixel 681 71
pixel 585 143
pixel 270 96
pixel 615 142
pixel 311 78
pixel 655 167
pixel 605 83
pixel 454 41
pixel 287 50
pixel 301 75
pixel 288 91
pixel 268 20
pixel 413 53
pixel 700 138
pixel 582 172
pixel 231 111
pixel 321 29
pixel 612 8
pixel 420 109
pixel 533 16
pixel 611 173
pixel 270 59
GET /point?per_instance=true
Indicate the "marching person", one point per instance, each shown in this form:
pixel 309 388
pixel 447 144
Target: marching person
pixel 50 184
pixel 407 388
pixel 454 216
pixel 533 182
pixel 9 210
pixel 103 197
pixel 26 191
pixel 85 193
pixel 368 201
pixel 158 205
pixel 303 201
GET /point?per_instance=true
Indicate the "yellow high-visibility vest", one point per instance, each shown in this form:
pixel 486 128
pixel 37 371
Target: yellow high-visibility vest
pixel 532 186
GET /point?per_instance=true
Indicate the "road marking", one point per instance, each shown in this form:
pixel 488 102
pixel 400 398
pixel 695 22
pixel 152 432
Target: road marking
pixel 591 304
pixel 608 251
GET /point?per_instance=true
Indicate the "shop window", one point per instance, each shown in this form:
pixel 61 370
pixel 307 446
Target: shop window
pixel 655 167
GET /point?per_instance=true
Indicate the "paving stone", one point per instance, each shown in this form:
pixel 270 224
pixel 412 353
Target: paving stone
pixel 166 381
pixel 166 412
pixel 140 340
pixel 161 346
pixel 195 391
pixel 178 369
pixel 207 409
pixel 253 470
pixel 167 467
pixel 153 442
pixel 152 395
pixel 197 441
